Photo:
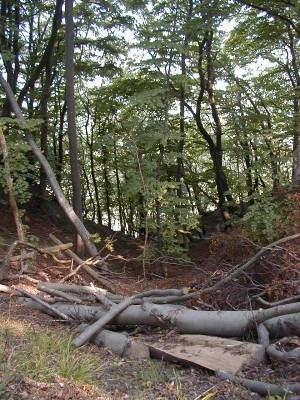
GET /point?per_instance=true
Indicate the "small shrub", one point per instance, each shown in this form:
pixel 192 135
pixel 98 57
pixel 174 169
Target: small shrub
pixel 261 218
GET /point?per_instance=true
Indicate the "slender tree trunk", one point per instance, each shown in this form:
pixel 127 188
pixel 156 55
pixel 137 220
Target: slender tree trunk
pixel 106 184
pixel 11 193
pixel 44 126
pixel 70 99
pixel 57 19
pixel 296 145
pixel 206 82
pixel 12 198
pixel 89 131
pixel 119 192
pixel 296 110
pixel 10 15
pixel 59 150
pixel 80 228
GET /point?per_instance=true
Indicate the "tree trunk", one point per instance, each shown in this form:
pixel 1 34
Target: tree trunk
pixel 206 82
pixel 122 218
pixel 44 126
pixel 10 16
pixel 79 226
pixel 70 99
pixel 11 194
pixel 278 320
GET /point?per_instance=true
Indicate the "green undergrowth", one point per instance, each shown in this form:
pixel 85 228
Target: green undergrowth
pixel 43 355
pixel 47 355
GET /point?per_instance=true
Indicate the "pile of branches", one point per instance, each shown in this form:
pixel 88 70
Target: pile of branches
pixel 92 309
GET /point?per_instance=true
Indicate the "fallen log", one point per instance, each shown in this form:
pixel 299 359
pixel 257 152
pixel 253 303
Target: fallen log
pixel 213 323
pixel 119 343
pixel 115 310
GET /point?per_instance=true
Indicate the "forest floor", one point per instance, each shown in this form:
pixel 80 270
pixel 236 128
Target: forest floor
pixel 209 261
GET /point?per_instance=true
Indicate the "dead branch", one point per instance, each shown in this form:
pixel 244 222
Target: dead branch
pixel 250 262
pixel 45 250
pixel 286 356
pixel 13 277
pixel 161 300
pixel 291 299
pixel 83 264
pixel 8 257
pixel 163 292
pixel 43 303
pixel 60 294
pixel 264 315
pixel 72 288
pixel 102 321
pixel 107 304
pixel 262 388
pixel 164 295
pixel 263 335
pixel 7 289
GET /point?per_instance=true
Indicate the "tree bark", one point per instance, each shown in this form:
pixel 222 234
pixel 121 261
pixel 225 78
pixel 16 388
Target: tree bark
pixel 70 100
pixel 102 321
pixel 278 320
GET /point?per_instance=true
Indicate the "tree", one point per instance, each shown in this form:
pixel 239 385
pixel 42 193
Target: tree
pixel 70 103
pixel 279 30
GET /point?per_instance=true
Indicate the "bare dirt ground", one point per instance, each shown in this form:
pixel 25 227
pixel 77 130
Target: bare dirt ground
pixel 209 262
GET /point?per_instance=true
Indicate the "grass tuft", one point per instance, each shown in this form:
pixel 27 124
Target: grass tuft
pixel 44 355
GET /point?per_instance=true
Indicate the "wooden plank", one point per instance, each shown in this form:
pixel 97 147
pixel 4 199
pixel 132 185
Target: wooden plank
pixel 217 354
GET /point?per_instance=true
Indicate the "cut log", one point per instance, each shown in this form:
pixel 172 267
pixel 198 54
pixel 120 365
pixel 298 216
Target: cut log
pixel 214 323
pixel 214 353
pixel 119 343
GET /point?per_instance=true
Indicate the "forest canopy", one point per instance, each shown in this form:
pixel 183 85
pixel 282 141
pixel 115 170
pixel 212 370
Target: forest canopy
pixel 152 113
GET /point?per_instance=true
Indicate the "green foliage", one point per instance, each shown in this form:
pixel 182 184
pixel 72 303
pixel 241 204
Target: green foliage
pixel 275 397
pixel 152 373
pixel 20 169
pixel 261 218
pixel 130 120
